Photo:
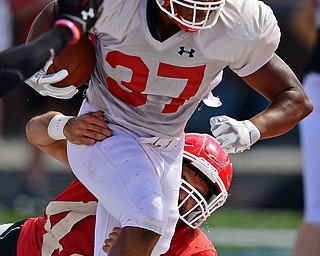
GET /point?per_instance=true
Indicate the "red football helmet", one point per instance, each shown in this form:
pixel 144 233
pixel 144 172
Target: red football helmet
pixel 211 8
pixel 209 160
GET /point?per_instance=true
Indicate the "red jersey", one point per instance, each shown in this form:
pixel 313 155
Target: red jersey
pixel 67 227
pixel 190 242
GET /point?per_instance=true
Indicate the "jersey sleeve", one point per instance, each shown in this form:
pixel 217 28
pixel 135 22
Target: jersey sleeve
pixel 261 43
pixel 116 17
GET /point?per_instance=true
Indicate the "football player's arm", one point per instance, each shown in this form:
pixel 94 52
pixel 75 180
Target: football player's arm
pixel 26 59
pixel 36 132
pixel 21 62
pixel 49 132
pixel 289 104
pixel 68 14
pixel 58 27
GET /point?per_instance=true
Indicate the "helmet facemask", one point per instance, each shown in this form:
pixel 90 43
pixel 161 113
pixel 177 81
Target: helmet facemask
pixel 211 10
pixel 204 206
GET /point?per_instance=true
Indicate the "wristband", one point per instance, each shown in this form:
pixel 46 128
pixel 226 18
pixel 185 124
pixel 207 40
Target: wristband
pixel 56 126
pixel 76 34
pixel 253 131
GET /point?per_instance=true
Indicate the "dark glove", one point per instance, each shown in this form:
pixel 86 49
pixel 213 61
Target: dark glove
pixel 83 13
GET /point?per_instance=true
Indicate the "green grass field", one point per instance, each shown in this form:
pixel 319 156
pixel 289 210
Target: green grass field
pixel 254 218
pixel 253 232
pixel 8 215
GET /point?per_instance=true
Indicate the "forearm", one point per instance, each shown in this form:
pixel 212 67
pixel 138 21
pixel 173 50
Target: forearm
pixel 44 39
pixel 83 130
pixel 289 103
pixel 19 63
pixel 37 129
pixel 43 22
pixel 283 114
pixel 37 134
pixel 28 59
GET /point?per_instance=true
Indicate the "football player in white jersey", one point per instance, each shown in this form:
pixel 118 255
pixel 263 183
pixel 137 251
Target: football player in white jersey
pixel 308 237
pixel 156 60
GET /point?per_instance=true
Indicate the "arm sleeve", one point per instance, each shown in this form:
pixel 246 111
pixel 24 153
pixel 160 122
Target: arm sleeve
pixel 21 62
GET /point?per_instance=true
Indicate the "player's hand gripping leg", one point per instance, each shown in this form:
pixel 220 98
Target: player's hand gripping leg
pixel 131 241
pixel 112 238
pixel 87 129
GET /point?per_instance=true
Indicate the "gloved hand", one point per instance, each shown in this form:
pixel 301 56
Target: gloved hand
pixel 41 82
pixel 83 13
pixel 234 136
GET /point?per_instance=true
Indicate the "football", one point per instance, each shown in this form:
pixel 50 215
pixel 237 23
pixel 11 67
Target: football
pixel 79 59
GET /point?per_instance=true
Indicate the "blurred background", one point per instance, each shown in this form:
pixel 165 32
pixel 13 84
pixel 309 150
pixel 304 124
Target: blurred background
pixel 266 193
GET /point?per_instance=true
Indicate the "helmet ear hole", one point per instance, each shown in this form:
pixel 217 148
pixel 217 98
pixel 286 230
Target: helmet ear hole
pixel 186 162
pixel 214 190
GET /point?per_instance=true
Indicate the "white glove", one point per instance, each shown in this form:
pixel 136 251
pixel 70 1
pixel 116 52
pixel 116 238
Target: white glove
pixel 41 82
pixel 234 136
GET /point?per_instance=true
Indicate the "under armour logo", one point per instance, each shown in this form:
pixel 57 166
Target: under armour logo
pixel 87 14
pixel 183 50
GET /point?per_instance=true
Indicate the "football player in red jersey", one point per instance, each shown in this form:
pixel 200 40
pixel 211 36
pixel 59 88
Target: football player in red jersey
pixel 21 62
pixel 68 223
pixel 156 61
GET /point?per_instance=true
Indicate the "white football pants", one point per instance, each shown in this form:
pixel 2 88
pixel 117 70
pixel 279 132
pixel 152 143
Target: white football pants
pixel 136 183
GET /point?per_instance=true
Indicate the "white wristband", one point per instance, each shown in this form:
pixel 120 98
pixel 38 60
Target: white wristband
pixel 56 126
pixel 253 131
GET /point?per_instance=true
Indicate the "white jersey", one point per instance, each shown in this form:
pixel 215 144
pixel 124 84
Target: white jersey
pixel 154 87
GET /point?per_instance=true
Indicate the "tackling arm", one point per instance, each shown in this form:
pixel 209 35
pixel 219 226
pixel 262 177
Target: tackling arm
pixel 86 130
pixel 36 131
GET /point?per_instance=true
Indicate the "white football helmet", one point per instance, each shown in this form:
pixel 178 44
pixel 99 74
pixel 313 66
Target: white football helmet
pixel 204 155
pixel 211 10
